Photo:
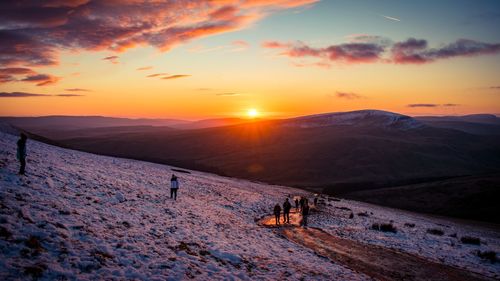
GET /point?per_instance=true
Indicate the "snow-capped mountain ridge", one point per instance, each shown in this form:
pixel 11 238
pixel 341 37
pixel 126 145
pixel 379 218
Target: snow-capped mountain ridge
pixel 369 117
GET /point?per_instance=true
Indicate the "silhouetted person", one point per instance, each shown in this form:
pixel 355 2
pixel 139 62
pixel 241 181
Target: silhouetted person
pixel 286 211
pixel 296 204
pixel 277 212
pixel 301 202
pixel 305 213
pixel 174 186
pixel 21 153
pixel 315 201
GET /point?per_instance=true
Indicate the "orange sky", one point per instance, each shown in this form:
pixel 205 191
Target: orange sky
pixel 224 59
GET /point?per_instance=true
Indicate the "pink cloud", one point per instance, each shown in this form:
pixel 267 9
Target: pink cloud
pixel 372 49
pixel 41 79
pixel 34 33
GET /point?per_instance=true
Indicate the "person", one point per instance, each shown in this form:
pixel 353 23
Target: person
pixel 277 211
pixel 21 153
pixel 301 202
pixel 315 201
pixel 174 186
pixel 286 211
pixel 305 213
pixel 296 205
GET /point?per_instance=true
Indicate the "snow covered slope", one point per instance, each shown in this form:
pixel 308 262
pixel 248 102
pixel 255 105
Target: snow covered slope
pixel 377 118
pixel 87 217
pixel 79 216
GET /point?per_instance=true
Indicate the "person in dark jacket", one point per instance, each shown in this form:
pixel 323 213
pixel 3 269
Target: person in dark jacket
pixel 305 213
pixel 174 186
pixel 315 201
pixel 286 211
pixel 301 202
pixel 21 153
pixel 296 204
pixel 277 212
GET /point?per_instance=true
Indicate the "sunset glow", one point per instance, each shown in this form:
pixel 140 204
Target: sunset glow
pixel 217 58
pixel 253 113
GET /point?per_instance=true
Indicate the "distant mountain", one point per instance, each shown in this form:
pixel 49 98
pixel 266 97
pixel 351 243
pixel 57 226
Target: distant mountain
pixel 80 122
pixel 374 118
pixel 335 153
pixel 481 124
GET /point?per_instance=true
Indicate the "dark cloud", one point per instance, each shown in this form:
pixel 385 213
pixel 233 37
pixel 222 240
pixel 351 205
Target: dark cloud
pixel 349 96
pixel 450 104
pixel 177 76
pixel 370 49
pixel 69 95
pixel 156 74
pixel 495 87
pixel 34 32
pixel 20 95
pixel 416 51
pixel 77 90
pixel 112 59
pixel 423 105
pixel 41 79
pixel 348 52
pixel 144 68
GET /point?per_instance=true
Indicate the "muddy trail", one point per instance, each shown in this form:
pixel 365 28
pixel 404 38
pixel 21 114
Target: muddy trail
pixel 374 261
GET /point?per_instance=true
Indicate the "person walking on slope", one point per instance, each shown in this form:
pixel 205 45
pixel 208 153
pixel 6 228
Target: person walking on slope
pixel 286 211
pixel 305 213
pixel 21 153
pixel 174 186
pixel 277 212
pixel 301 202
pixel 296 205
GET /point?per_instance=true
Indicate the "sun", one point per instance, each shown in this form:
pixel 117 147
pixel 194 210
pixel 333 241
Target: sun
pixel 252 113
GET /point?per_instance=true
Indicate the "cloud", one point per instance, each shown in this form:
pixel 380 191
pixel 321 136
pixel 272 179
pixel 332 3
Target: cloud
pixel 239 45
pixel 77 90
pixel 144 68
pixel 20 95
pixel 69 95
pixel 34 33
pixel 227 94
pixel 177 76
pixel 390 18
pixel 41 79
pixel 156 74
pixel 495 87
pixel 112 59
pixel 372 49
pixel 352 53
pixel 349 96
pixel 432 105
pixel 416 51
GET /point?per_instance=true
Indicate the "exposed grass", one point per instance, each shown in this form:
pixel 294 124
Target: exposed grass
pixel 470 240
pixel 365 214
pixel 488 255
pixel 385 227
pixel 435 231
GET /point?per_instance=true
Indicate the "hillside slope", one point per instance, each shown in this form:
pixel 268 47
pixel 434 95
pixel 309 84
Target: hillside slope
pixel 87 217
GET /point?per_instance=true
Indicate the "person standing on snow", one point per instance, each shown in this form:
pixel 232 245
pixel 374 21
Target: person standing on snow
pixel 305 213
pixel 277 212
pixel 296 204
pixel 286 211
pixel 174 186
pixel 21 153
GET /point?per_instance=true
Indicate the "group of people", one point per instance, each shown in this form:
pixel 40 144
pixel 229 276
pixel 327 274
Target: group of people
pixel 21 156
pixel 301 205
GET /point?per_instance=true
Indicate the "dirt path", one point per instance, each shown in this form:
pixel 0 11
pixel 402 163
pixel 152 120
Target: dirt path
pixel 377 262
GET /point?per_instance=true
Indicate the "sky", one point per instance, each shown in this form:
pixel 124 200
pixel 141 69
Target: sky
pixel 222 58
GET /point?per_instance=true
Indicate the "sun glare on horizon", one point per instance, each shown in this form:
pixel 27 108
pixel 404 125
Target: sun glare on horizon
pixel 253 113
